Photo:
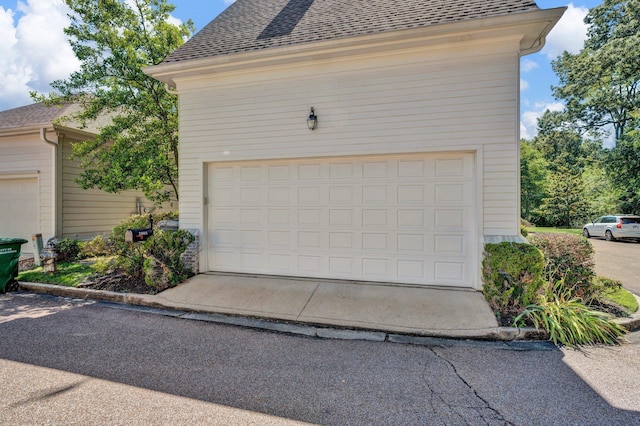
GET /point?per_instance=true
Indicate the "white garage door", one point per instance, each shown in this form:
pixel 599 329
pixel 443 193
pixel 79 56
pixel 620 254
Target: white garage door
pixel 19 209
pixel 403 219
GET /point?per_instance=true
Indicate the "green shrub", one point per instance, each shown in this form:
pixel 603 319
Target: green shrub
pixel 136 221
pixel 569 322
pixel 68 250
pixel 168 215
pixel 130 256
pixel 512 275
pixel 569 261
pixel 116 238
pixel 94 248
pixel 131 260
pixel 605 285
pixel 104 265
pixel 162 265
pixel 156 260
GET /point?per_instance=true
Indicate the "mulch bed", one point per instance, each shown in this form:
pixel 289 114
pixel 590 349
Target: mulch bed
pixel 120 282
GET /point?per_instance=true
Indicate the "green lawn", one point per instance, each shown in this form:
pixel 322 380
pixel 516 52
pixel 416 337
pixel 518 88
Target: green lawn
pixel 542 229
pixel 67 274
pixel 623 298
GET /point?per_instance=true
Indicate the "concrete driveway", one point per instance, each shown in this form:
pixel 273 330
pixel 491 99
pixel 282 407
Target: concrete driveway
pixel 619 260
pixel 75 362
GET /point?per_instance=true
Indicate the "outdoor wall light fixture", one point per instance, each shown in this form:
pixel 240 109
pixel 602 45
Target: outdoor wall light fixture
pixel 312 121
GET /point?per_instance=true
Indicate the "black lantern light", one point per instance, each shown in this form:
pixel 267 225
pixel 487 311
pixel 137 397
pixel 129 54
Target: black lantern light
pixel 312 121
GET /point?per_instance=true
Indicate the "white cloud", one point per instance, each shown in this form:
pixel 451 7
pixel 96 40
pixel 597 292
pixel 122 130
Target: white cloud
pixel 34 49
pixel 569 33
pixel 524 85
pixel 529 119
pixel 528 65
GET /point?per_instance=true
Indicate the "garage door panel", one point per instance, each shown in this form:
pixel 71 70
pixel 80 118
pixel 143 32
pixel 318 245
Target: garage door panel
pixel 280 263
pixel 406 219
pixel 452 219
pixel 19 209
pixel 446 271
pixel 375 242
pixel 376 267
pixel 376 218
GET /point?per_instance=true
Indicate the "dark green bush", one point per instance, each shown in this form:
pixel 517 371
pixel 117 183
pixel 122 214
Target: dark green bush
pixel 512 275
pixel 68 250
pixel 568 260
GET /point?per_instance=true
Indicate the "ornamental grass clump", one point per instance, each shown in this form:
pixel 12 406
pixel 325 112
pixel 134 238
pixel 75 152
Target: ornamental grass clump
pixel 571 323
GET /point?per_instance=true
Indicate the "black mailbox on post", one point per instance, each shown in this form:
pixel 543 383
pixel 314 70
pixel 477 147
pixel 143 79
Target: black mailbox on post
pixel 143 234
pixel 135 235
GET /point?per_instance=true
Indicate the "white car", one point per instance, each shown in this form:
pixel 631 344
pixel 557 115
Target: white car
pixel 614 227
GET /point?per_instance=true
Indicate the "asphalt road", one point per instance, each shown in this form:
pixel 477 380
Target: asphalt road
pixel 619 260
pixel 78 362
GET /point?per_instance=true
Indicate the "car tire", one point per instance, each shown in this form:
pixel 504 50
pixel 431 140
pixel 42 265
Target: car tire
pixel 609 236
pixel 585 233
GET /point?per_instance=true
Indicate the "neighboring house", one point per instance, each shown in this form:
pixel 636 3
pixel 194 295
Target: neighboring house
pixel 414 163
pixel 38 193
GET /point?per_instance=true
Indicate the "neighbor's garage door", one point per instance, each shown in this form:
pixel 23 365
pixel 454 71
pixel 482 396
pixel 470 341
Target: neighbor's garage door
pixel 404 219
pixel 19 209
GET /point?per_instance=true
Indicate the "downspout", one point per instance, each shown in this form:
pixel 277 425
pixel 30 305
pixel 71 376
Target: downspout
pixel 43 136
pixel 169 90
pixel 54 184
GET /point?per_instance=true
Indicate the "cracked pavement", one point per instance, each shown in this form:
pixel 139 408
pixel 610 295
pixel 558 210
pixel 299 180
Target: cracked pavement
pixel 65 361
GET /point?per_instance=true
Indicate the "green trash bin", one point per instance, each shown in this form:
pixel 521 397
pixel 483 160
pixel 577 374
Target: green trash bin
pixel 9 257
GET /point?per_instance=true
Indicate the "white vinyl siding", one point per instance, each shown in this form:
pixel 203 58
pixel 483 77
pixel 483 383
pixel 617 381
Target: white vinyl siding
pixel 89 212
pixel 501 191
pixel 448 98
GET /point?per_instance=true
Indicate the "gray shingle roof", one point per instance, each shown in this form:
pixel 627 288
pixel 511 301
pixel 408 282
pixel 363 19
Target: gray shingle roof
pixel 31 115
pixel 40 115
pixel 249 25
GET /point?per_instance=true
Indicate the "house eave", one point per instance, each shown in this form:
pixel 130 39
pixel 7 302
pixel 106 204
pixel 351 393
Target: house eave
pixel 530 27
pixel 26 130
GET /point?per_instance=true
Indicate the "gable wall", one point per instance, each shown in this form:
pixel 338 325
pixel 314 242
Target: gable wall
pixel 27 156
pixel 89 212
pixel 458 97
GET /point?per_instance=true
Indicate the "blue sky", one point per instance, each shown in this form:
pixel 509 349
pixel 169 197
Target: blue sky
pixel 30 30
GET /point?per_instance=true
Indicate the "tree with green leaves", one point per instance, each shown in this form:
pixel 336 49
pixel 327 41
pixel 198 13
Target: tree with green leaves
pixel 558 142
pixel 566 204
pixel 533 178
pixel 600 84
pixel 623 166
pixel 138 148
